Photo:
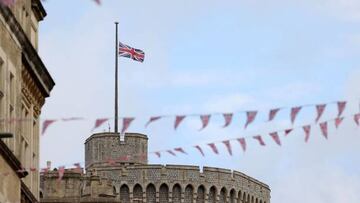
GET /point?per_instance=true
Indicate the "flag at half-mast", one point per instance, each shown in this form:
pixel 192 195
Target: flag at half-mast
pixel 129 52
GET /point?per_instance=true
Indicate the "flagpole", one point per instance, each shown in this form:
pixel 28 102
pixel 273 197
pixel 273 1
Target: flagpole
pixel 116 77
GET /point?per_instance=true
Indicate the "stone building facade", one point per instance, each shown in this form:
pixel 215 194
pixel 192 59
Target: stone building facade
pixel 117 170
pixel 24 85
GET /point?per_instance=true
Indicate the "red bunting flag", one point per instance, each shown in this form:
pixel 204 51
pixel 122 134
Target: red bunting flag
pixel 273 113
pixel 324 130
pixel 251 115
pixel 276 138
pixel 320 108
pixel 61 172
pixel 46 124
pixel 98 2
pixel 307 129
pixel 294 112
pixel 213 147
pixel 200 150
pixel 152 119
pixel 99 122
pixel 338 121
pixel 158 154
pixel 204 120
pixel 181 150
pixel 126 124
pixel 178 120
pixel 259 139
pixel 171 152
pixel 228 119
pixel 341 107
pixel 242 143
pixel 357 119
pixel 288 131
pixel 228 146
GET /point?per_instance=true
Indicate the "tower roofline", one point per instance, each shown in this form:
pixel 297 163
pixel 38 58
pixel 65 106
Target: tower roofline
pixel 112 134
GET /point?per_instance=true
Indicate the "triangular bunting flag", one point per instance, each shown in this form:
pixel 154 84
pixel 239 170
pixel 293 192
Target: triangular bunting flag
pixel 324 130
pixel 171 152
pixel 294 112
pixel 338 121
pixel 228 146
pixel 178 120
pixel 99 122
pixel 181 150
pixel 242 143
pixel 341 107
pixel 307 129
pixel 152 119
pixel 204 120
pixel 46 124
pixel 72 119
pixel 320 108
pixel 259 139
pixel 200 150
pixel 228 119
pixel 357 119
pixel 276 138
pixel 158 154
pixel 273 113
pixel 288 131
pixel 126 124
pixel 213 148
pixel 250 117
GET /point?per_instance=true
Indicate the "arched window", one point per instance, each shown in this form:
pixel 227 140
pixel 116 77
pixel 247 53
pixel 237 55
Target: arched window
pixel 150 194
pixel 212 195
pixel 176 194
pixel 164 194
pixel 252 199
pixel 232 196
pixel 223 195
pixel 138 193
pixel 256 200
pixel 124 194
pixel 248 199
pixel 200 194
pixel 189 191
pixel 239 200
pixel 244 198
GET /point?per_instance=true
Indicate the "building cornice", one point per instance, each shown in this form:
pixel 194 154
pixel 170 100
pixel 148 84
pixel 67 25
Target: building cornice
pixel 28 194
pixel 38 9
pixel 29 55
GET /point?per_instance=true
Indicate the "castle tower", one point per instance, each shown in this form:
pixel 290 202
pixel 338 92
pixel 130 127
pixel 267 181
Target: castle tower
pixel 108 151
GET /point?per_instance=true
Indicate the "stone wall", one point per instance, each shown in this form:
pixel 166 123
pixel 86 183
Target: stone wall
pixel 158 183
pixel 100 148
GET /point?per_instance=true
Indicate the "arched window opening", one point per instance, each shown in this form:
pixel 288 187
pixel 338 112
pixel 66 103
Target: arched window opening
pixel 138 194
pixel 212 195
pixel 232 196
pixel 124 194
pixel 176 194
pixel 200 194
pixel 189 192
pixel 150 194
pixel 164 194
pixel 223 195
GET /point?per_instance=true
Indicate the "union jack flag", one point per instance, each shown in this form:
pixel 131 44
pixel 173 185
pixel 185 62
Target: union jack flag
pixel 129 52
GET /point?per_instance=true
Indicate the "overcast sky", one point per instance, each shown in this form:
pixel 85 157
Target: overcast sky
pixel 208 56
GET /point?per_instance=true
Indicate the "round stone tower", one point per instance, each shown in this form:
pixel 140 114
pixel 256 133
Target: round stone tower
pixel 110 151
